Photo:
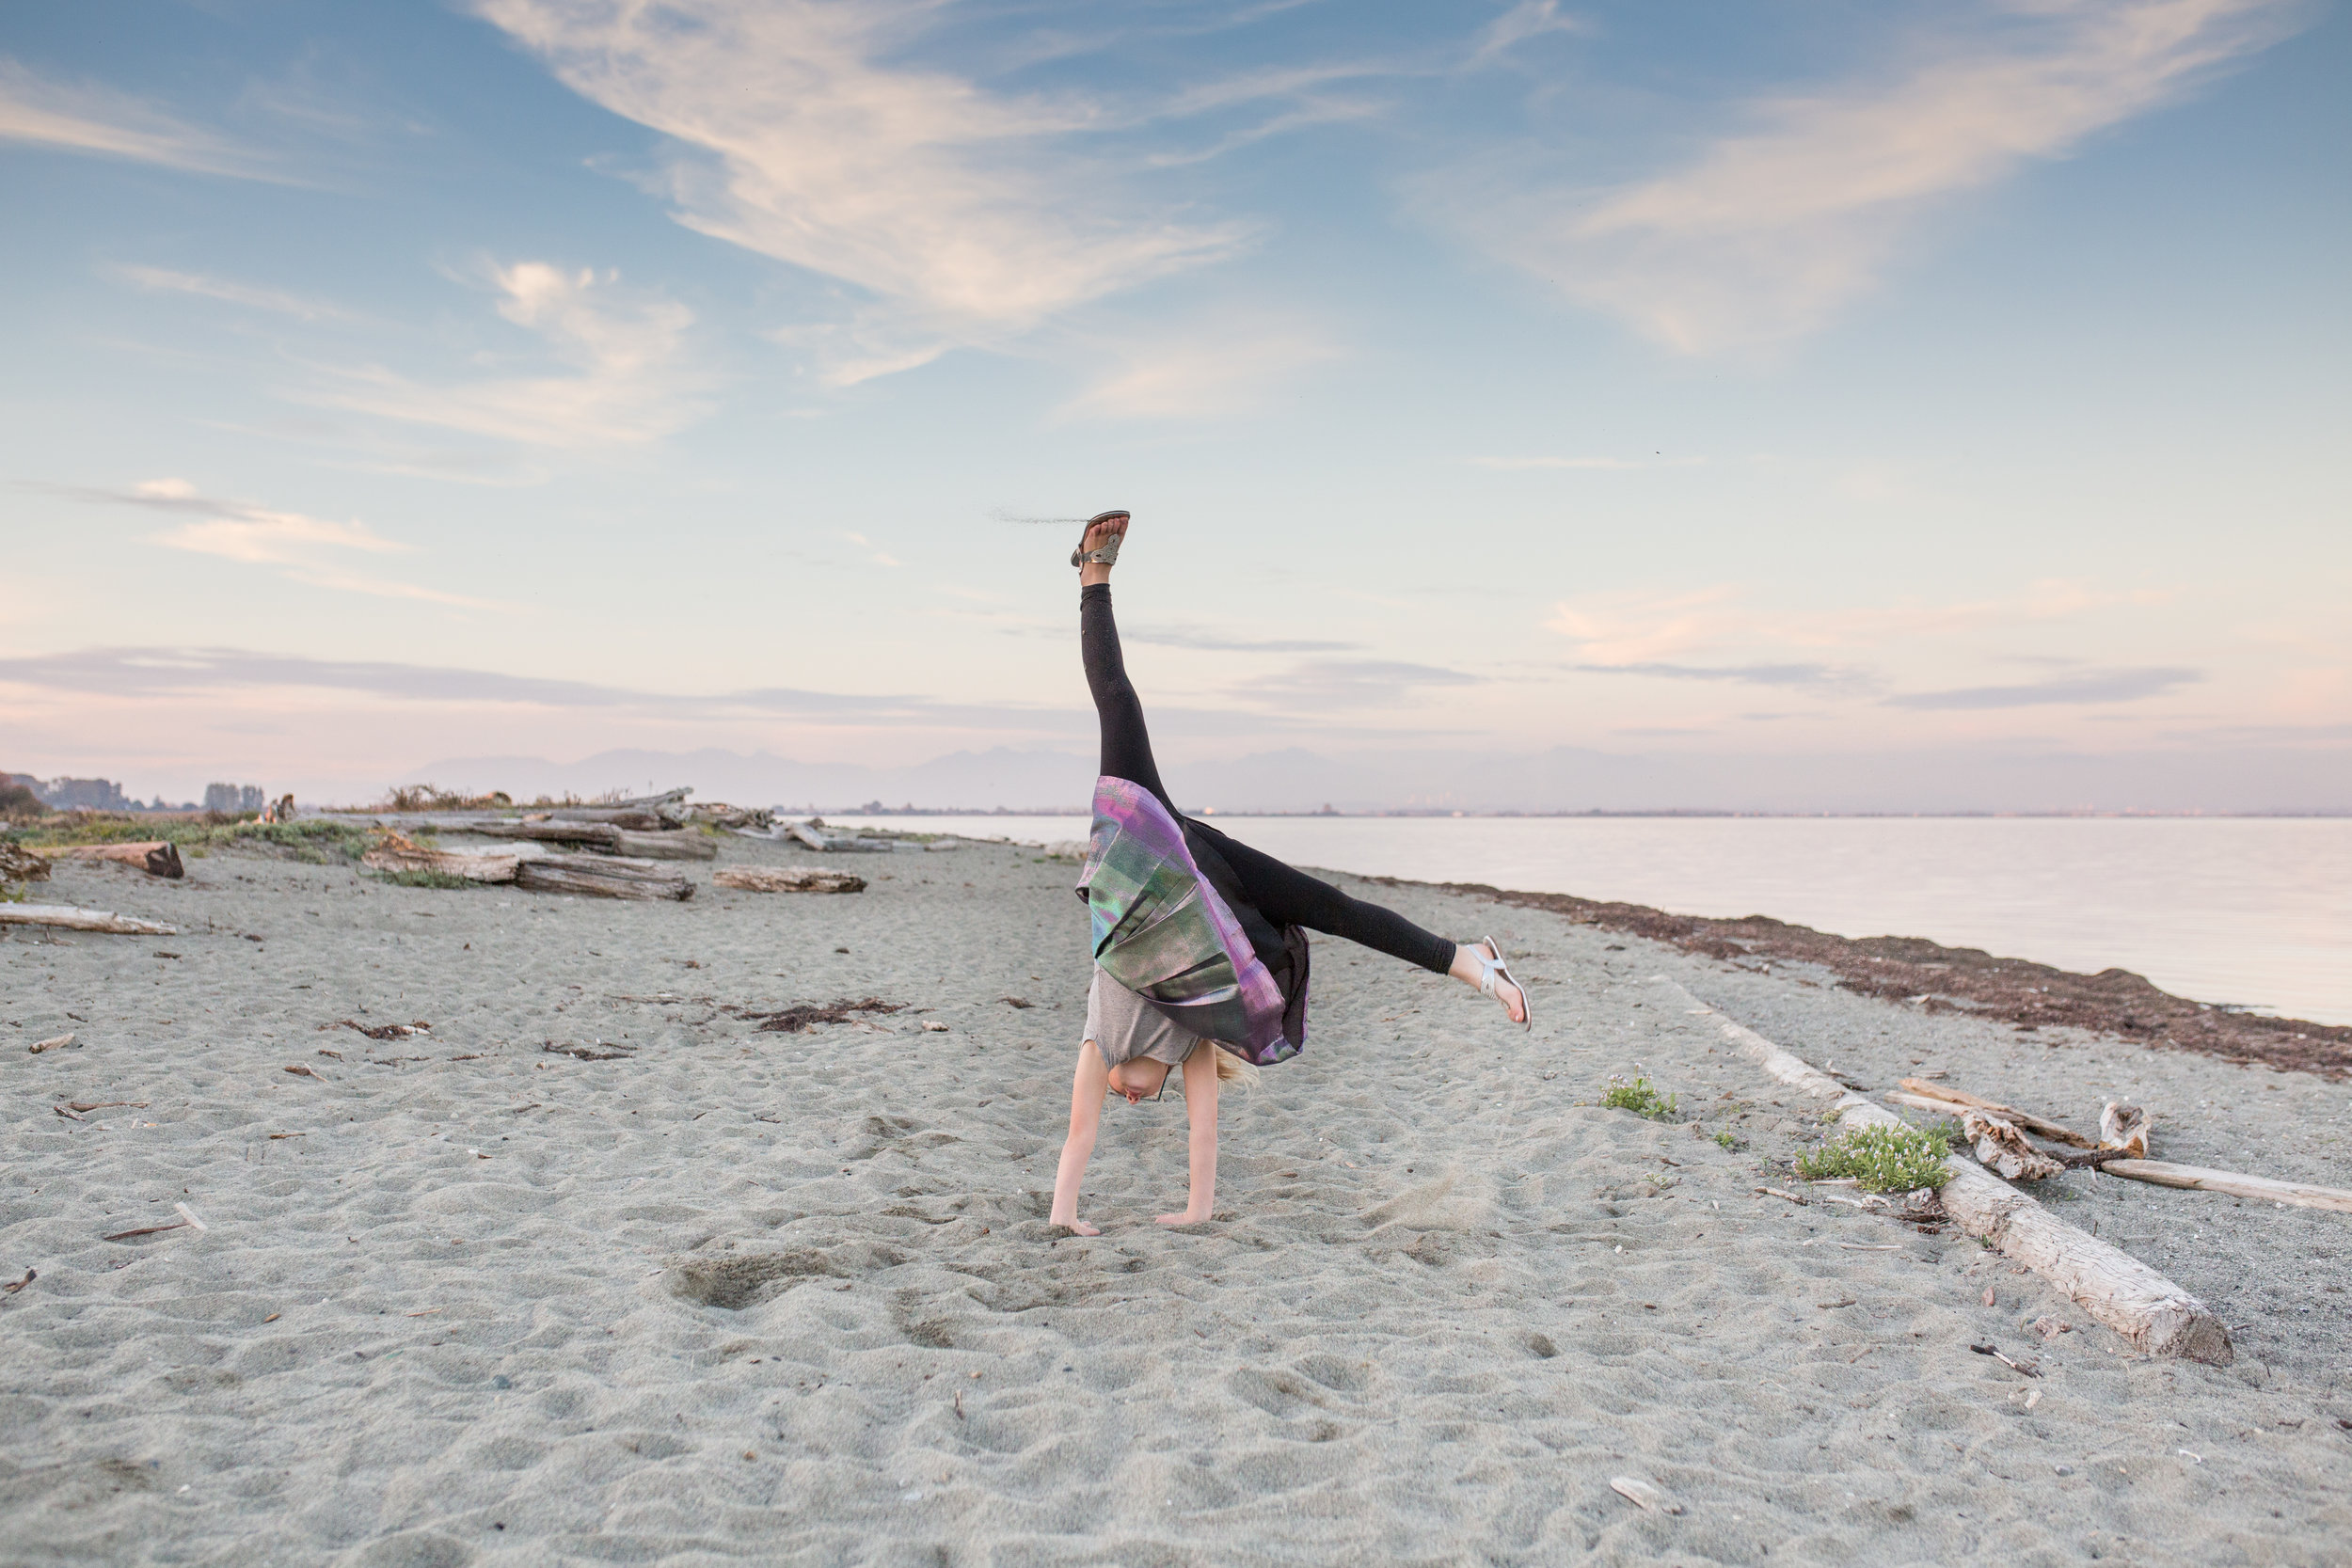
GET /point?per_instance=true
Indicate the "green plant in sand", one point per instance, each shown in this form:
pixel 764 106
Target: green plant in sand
pixel 422 878
pixel 1725 1140
pixel 1881 1159
pixel 1640 1099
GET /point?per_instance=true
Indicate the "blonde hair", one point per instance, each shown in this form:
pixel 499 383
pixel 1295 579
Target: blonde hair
pixel 1230 1067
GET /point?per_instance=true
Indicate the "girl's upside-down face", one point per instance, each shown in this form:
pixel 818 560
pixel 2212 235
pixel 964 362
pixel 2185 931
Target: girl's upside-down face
pixel 1141 1079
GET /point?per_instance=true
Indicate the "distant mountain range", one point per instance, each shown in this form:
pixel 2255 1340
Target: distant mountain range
pixel 1565 779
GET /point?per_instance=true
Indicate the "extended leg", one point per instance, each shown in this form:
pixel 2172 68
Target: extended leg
pixel 1126 743
pixel 1288 897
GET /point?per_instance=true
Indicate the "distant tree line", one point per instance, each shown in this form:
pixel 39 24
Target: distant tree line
pixel 22 791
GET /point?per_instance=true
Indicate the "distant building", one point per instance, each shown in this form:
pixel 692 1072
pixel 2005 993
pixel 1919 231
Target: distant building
pixel 232 800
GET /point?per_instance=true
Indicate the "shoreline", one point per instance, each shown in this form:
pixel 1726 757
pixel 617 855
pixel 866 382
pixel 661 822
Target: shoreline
pixel 2027 995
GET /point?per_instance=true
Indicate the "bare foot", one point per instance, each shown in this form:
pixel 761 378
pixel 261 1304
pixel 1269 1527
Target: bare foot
pixel 1467 969
pixel 1181 1219
pixel 1079 1226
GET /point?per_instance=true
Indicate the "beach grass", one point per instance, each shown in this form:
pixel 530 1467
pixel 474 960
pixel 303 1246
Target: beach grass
pixel 425 878
pixel 1639 1098
pixel 1881 1159
pixel 314 840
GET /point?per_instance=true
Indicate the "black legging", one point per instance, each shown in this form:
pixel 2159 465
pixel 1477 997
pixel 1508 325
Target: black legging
pixel 1286 897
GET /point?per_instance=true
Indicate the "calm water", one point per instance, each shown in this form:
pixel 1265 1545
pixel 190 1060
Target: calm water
pixel 2251 911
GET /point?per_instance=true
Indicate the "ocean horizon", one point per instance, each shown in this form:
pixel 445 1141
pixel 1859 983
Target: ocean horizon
pixel 2250 911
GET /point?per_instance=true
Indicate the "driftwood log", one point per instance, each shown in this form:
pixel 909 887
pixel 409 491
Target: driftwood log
pixel 684 844
pixel 635 819
pixel 19 864
pixel 557 831
pixel 796 878
pixel 2001 1147
pixel 817 838
pixel 667 800
pixel 1998 1142
pixel 2122 1149
pixel 2040 1126
pixel 2154 1314
pixel 601 877
pixel 2165 1174
pixel 68 918
pixel 156 856
pixel 488 866
pixel 720 815
pixel 2125 1127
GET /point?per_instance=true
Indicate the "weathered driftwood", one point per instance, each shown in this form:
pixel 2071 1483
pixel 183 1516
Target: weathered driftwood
pixel 2126 1126
pixel 155 857
pixel 601 877
pixel 2167 1175
pixel 814 835
pixel 684 844
pixel 2040 1126
pixel 2154 1314
pixel 485 865
pixel 19 864
pixel 2000 1146
pixel 720 815
pixel 666 801
pixel 557 831
pixel 130 854
pixel 635 819
pixel 795 878
pixel 66 918
pixel 1925 1102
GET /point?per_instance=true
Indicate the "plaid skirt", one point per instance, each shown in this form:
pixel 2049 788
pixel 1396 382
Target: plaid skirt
pixel 1164 933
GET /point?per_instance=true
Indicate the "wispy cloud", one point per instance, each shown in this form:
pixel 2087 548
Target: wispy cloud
pixel 1769 229
pixel 1215 372
pixel 1527 20
pixel 163 671
pixel 1319 685
pixel 628 382
pixel 309 550
pixel 972 215
pixel 1621 628
pixel 164 281
pixel 1205 640
pixel 1750 675
pixel 879 556
pixel 1632 628
pixel 75 117
pixel 2098 685
pixel 1601 463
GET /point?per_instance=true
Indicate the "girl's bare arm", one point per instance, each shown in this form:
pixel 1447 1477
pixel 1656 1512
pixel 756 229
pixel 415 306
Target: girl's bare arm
pixel 1086 1088
pixel 1201 1112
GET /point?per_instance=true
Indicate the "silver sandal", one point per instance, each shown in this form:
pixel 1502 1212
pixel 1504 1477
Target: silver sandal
pixel 1108 553
pixel 1499 969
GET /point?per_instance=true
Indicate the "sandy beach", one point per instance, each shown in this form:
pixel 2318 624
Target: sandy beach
pixel 597 1268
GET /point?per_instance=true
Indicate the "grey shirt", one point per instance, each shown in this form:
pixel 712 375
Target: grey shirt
pixel 1124 1026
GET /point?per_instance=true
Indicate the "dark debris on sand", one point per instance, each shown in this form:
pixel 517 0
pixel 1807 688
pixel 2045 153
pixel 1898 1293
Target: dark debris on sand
pixel 2030 996
pixel 792 1020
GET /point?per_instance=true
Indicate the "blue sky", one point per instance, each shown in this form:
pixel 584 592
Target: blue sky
pixel 1802 383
